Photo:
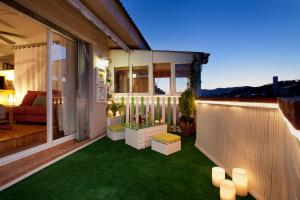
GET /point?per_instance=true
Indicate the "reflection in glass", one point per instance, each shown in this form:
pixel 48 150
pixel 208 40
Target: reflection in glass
pixel 140 79
pixel 162 78
pixel 182 75
pixel 121 75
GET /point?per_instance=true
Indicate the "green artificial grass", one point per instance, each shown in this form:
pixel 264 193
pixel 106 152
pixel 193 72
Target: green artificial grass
pixel 113 170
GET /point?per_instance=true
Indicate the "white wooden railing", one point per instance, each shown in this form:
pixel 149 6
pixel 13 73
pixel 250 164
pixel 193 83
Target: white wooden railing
pixel 162 108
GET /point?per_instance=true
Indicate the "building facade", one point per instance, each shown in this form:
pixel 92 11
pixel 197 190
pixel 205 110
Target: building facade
pixel 50 55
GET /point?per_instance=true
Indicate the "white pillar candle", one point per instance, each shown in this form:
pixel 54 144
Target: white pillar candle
pixel 217 175
pixel 227 190
pixel 240 180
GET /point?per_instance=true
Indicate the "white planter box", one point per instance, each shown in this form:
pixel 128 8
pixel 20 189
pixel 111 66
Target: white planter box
pixel 113 121
pixel 141 138
pixel 166 149
pixel 115 135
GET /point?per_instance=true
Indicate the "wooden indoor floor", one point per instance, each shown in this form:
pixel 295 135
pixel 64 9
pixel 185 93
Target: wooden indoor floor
pixel 21 137
pixel 23 166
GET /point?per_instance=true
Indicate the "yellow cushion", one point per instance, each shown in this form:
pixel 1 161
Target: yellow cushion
pixel 116 128
pixel 166 138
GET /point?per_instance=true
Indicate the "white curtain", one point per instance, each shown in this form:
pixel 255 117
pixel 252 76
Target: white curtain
pixel 256 139
pixel 64 81
pixel 30 70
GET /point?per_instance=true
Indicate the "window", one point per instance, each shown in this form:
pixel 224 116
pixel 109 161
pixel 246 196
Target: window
pixel 161 78
pixel 121 79
pixel 140 79
pixel 182 75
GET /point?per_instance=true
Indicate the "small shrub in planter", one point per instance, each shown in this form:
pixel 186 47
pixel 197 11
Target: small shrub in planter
pixel 115 107
pixel 186 108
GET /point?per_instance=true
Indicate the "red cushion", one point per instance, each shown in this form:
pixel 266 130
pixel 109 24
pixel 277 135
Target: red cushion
pixel 36 110
pixel 19 110
pixel 30 97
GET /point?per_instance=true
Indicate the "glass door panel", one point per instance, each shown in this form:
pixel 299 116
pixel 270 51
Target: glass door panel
pixel 64 76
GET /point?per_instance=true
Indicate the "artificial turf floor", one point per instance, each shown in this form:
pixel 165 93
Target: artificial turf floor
pixel 113 170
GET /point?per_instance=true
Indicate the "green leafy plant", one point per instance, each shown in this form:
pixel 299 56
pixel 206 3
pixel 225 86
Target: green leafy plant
pixel 187 107
pixel 149 118
pixel 115 107
pixel 187 103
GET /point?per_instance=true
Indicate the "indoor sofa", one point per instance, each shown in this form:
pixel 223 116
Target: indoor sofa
pixel 26 112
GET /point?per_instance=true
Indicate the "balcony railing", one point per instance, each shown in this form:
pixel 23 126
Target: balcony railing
pixel 155 108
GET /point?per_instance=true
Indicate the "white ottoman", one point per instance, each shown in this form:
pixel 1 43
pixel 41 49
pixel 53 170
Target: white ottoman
pixel 116 132
pixel 166 143
pixel 120 135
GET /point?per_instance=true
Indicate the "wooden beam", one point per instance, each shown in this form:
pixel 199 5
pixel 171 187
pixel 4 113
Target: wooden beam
pixel 99 24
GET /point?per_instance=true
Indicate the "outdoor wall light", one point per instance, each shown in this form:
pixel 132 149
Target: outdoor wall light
pixel 102 63
pixel 240 179
pixel 218 175
pixel 227 190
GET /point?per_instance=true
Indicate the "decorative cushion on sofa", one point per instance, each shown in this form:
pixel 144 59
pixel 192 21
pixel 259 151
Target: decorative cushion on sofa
pixel 40 101
pixel 29 98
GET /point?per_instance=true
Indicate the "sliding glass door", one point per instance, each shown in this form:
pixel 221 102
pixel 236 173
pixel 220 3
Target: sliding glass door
pixel 44 81
pixel 23 92
pixel 64 86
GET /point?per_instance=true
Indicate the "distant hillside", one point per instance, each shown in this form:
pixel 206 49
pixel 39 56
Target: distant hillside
pixel 286 88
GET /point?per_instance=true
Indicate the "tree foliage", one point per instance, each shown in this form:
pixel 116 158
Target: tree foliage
pixel 187 103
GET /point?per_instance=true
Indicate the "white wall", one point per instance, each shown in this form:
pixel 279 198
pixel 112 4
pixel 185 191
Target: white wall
pixel 97 110
pixel 256 139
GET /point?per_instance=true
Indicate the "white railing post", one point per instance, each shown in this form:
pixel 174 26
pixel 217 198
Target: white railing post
pixel 147 108
pixel 137 110
pixel 152 108
pixel 163 112
pixel 174 114
pixel 127 109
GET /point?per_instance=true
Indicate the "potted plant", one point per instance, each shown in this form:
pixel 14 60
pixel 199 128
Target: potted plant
pixel 186 108
pixel 114 108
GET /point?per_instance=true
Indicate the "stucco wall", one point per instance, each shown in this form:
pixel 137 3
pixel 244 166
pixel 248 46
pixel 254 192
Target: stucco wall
pixel 257 139
pixel 97 110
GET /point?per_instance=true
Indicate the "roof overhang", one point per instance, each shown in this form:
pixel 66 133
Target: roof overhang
pixel 111 17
